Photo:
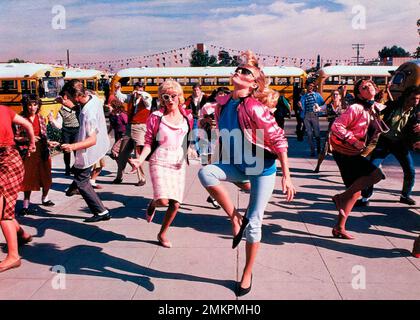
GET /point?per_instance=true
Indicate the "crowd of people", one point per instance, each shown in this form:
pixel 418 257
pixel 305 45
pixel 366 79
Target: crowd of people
pixel 238 136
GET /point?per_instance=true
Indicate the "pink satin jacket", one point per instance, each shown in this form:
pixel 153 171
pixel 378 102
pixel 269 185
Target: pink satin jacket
pixel 253 116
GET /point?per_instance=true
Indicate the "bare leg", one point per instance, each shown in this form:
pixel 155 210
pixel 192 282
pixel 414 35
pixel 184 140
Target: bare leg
pixel 140 171
pixel 251 250
pixel 361 184
pixel 10 234
pixel 322 156
pixel 220 194
pixel 169 217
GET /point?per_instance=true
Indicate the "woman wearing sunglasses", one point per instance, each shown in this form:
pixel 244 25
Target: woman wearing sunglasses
pixel 249 158
pixel 166 135
pixel 355 129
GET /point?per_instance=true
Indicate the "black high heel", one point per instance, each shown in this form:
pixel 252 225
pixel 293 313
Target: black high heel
pixel 243 291
pixel 237 239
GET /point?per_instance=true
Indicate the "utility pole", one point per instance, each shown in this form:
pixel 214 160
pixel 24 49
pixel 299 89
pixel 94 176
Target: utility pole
pixel 358 46
pixel 60 61
pixel 68 58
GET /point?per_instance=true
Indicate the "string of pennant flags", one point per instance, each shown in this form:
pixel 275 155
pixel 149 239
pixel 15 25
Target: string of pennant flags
pixel 180 58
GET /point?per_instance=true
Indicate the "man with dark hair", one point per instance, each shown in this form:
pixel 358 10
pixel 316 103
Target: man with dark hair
pixel 139 104
pixel 195 102
pixel 91 146
pixel 311 104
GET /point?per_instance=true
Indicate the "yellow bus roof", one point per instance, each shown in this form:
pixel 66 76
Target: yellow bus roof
pixel 377 71
pixel 27 70
pixel 179 72
pixel 74 73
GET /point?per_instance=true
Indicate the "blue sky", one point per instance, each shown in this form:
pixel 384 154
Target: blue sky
pixel 104 29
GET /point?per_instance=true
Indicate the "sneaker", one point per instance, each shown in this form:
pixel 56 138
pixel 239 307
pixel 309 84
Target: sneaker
pixel 97 186
pixel 362 203
pixel 407 200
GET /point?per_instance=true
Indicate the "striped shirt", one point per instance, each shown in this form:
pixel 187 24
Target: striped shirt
pixel 309 102
pixel 69 117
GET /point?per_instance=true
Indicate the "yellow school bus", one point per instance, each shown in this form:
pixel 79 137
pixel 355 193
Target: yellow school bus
pixel 20 79
pixel 281 79
pixel 332 77
pixel 93 80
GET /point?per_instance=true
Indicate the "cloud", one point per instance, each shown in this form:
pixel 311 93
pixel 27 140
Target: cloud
pixel 98 30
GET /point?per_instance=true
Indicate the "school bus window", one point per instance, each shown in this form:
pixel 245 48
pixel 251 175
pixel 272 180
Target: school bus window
pixel 50 87
pixel 9 86
pixel 181 81
pixel 347 80
pixel 134 80
pixel 208 81
pixel 27 86
pixel 192 81
pixel 332 80
pixel 150 82
pixel 283 81
pixel 223 81
pixel 379 80
pixel 90 84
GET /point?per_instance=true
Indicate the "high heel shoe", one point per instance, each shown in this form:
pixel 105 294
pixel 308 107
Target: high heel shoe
pixel 341 234
pixel 237 239
pixel 243 291
pixel 164 243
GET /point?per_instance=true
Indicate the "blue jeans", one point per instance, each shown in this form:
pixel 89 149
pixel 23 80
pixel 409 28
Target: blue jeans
pixel 384 148
pixel 261 189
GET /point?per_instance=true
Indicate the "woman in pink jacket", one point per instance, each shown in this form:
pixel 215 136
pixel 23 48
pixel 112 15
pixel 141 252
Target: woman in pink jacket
pixel 351 133
pixel 165 143
pixel 250 141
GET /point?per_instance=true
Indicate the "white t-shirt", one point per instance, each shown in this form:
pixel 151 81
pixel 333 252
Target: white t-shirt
pixel 92 119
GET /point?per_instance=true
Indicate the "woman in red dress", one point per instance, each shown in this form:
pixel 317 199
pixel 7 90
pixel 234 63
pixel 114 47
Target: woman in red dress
pixel 11 177
pixel 38 165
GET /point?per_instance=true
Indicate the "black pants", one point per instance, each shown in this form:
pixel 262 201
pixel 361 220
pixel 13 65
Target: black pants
pixel 127 147
pixel 300 128
pixel 82 183
pixel 68 135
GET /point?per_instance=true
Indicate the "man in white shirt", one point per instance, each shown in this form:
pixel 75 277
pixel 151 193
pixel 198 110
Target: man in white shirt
pixel 92 145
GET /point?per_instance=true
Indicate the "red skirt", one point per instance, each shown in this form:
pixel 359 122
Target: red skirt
pixel 11 178
pixel 37 171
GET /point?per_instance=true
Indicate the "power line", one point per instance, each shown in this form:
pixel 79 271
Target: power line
pixel 358 47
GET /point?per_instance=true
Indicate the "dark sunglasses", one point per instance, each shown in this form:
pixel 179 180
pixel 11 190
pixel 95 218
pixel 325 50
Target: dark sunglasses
pixel 244 71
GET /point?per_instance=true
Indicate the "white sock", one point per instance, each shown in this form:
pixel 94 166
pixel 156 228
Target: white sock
pixel 26 204
pixel 93 182
pixel 103 213
pixel 45 199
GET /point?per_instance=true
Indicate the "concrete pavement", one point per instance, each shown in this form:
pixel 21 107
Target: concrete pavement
pixel 298 259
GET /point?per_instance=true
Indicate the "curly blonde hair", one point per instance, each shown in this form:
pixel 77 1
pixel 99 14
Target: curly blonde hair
pixel 171 84
pixel 262 93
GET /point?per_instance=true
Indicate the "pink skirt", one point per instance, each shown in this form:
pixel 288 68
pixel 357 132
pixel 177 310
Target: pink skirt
pixel 167 171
